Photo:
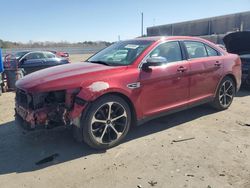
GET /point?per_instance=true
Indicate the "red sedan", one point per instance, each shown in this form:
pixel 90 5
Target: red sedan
pixel 60 54
pixel 129 82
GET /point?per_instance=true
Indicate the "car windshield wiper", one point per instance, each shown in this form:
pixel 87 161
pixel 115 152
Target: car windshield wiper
pixel 99 62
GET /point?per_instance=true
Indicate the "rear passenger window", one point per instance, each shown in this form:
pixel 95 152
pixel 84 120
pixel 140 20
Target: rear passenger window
pixel 211 51
pixel 170 50
pixel 195 49
pixel 49 55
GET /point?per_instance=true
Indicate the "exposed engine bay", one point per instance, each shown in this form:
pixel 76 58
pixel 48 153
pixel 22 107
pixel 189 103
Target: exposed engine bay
pixel 47 109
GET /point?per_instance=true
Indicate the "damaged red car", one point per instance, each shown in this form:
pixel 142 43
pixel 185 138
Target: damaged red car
pixel 129 82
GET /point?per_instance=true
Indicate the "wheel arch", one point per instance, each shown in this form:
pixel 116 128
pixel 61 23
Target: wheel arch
pixel 230 75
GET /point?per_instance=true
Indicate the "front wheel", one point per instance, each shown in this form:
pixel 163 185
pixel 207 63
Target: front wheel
pixel 225 94
pixel 107 122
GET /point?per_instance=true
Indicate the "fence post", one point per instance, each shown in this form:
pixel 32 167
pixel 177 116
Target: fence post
pixel 1 70
pixel 1 61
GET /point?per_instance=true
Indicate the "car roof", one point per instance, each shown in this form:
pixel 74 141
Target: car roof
pixel 158 38
pixel 166 38
pixel 41 51
pixel 21 52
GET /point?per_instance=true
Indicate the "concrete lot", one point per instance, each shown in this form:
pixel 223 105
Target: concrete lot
pixel 217 157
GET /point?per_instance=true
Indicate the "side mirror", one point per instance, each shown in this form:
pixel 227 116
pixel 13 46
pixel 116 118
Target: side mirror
pixel 154 61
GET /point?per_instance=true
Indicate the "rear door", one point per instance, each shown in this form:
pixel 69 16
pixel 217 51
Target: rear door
pixel 52 60
pixel 206 68
pixel 165 87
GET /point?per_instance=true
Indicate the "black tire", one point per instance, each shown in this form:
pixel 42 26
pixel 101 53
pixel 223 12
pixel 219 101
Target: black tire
pixel 247 82
pixel 222 100
pixel 108 131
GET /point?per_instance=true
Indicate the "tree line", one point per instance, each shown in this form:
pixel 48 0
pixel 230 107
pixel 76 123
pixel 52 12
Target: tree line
pixel 47 44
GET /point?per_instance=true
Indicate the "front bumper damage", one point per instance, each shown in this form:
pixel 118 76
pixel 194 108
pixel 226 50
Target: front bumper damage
pixel 48 110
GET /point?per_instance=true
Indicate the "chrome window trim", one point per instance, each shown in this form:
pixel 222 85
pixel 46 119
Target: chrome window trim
pixel 205 44
pixel 25 56
pixel 31 53
pixel 163 42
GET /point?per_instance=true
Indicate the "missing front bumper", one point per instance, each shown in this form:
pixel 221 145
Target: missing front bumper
pixel 47 117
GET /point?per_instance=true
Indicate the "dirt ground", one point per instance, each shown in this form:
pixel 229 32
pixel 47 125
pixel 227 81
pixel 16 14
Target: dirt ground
pixel 217 154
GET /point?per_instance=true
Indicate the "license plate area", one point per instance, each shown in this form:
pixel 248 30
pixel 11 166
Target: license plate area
pixel 21 112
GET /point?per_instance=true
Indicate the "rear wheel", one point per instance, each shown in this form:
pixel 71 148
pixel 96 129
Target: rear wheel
pixel 247 82
pixel 225 94
pixel 107 122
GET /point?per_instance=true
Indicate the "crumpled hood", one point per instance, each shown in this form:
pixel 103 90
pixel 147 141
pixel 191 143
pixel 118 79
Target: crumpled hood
pixel 63 77
pixel 238 42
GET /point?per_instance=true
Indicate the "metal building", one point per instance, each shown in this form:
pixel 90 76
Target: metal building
pixel 213 29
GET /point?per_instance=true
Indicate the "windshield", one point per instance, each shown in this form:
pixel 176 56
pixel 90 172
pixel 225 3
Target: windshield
pixel 20 54
pixel 120 53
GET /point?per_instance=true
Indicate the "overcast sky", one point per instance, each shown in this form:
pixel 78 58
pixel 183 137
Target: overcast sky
pixel 80 20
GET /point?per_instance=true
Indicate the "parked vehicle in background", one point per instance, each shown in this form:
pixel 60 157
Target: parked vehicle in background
pixel 239 43
pixel 103 97
pixel 60 54
pixel 31 61
pixel 222 46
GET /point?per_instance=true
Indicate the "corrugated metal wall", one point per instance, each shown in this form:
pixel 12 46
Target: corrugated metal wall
pixel 210 28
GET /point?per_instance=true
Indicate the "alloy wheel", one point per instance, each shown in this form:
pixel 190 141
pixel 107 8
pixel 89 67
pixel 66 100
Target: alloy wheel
pixel 109 122
pixel 226 93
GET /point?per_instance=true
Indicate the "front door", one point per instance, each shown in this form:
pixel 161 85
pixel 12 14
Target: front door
pixel 165 87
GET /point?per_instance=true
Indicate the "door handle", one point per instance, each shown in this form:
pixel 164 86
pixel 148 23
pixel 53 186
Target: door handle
pixel 217 64
pixel 181 69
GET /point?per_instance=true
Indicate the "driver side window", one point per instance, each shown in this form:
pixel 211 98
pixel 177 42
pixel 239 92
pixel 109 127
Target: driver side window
pixel 169 50
pixel 34 56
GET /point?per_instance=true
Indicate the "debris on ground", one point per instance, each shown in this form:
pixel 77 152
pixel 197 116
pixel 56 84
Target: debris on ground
pixel 182 140
pixel 222 174
pixel 152 183
pixel 139 186
pixel 189 175
pixel 243 124
pixel 225 132
pixel 47 159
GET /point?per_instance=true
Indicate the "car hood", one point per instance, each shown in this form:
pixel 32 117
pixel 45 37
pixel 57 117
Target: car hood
pixel 64 77
pixel 238 42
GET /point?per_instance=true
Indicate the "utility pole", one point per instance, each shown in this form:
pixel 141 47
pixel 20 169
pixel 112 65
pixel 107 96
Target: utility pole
pixel 142 24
